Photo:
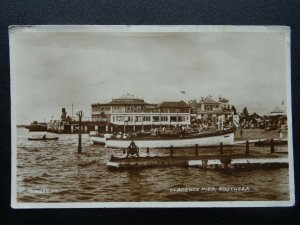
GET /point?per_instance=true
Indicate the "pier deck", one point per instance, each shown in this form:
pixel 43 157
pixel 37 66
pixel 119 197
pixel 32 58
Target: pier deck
pixel 236 161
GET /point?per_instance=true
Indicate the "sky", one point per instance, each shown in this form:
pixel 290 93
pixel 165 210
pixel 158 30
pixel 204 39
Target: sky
pixel 55 67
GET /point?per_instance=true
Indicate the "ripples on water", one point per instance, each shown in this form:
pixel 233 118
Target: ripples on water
pixel 52 171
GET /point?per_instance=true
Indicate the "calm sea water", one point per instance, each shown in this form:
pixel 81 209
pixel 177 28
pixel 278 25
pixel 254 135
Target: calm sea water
pixel 52 171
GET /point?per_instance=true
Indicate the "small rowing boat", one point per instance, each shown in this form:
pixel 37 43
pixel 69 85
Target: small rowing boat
pixel 43 139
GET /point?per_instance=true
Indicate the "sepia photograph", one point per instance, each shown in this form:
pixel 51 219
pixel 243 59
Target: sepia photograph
pixel 151 116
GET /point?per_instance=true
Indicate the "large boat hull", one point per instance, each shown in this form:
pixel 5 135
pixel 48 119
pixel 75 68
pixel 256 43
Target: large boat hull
pixel 213 140
pixel 100 139
pixel 36 128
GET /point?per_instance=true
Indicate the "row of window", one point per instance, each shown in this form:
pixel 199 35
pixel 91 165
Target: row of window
pixel 131 108
pixel 210 108
pixel 100 108
pixel 148 118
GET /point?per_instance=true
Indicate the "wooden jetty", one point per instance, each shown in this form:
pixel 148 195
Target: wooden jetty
pixel 238 161
pixel 74 127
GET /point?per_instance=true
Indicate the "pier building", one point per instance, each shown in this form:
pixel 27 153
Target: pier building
pixel 129 113
pixel 209 109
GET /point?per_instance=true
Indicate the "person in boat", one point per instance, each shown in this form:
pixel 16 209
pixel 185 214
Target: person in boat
pixel 132 150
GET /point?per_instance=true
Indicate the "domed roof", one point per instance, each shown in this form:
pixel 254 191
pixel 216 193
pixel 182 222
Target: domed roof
pixel 128 96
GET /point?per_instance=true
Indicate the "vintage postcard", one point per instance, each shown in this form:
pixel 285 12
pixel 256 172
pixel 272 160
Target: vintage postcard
pixel 151 116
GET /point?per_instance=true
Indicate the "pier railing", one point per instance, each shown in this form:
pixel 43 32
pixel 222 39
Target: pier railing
pixel 74 120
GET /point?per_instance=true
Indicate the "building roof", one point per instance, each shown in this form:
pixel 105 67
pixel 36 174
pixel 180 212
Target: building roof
pixel 127 99
pixel 180 104
pixel 118 102
pixel 223 100
pixel 209 100
pixel 279 109
pixel 253 116
pixel 128 96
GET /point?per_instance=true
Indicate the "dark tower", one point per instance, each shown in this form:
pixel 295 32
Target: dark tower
pixel 63 114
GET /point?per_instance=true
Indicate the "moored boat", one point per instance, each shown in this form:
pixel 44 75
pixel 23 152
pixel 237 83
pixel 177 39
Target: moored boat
pixel 177 141
pixel 36 126
pixel 100 138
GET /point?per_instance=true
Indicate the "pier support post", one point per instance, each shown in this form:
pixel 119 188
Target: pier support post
pixel 225 166
pixel 272 146
pixel 171 150
pixel 196 149
pixel 148 150
pixel 247 147
pixel 79 114
pixel 204 164
pixel 221 148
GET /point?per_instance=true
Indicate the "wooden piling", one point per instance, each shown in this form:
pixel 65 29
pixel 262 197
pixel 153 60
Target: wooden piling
pixel 204 164
pixel 272 146
pixel 171 150
pixel 225 165
pixel 80 114
pixel 247 147
pixel 196 149
pixel 221 148
pixel 148 150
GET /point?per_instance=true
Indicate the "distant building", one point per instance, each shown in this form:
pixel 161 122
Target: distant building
pixel 279 110
pixel 277 117
pixel 130 113
pixel 209 109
